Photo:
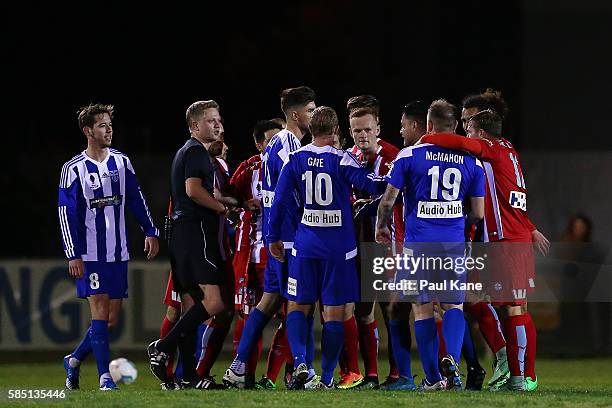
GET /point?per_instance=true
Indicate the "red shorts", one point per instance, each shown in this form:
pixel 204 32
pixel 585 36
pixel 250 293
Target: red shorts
pixel 172 298
pixel 510 272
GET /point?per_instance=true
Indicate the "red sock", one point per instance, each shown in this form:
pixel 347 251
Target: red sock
pixel 489 325
pixel 516 342
pixel 238 326
pixel 442 343
pixel 350 351
pixel 368 344
pixel 530 353
pixel 279 354
pixel 213 346
pixel 166 326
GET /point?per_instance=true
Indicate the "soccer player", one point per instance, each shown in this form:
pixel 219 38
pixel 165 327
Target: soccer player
pixel 322 266
pixel 298 105
pixel 376 155
pixel 506 223
pixel 435 183
pixel 194 248
pixel 251 255
pixel 95 186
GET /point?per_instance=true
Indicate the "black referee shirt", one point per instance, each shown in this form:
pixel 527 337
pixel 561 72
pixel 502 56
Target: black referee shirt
pixel 191 160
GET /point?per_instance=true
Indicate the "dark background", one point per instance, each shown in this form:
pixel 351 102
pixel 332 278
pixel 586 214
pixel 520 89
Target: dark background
pixel 551 60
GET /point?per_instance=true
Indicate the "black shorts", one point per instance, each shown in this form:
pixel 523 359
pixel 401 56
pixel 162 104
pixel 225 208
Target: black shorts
pixel 195 256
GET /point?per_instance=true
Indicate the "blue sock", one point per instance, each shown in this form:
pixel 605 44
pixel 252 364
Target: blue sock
pixel 297 332
pixel 401 343
pixel 469 350
pixel 453 328
pixel 310 345
pixel 98 334
pixel 198 350
pixel 84 347
pixel 427 343
pixel 332 341
pixel 251 333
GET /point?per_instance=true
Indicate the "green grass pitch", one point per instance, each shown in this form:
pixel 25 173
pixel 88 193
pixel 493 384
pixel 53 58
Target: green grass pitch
pixel 563 383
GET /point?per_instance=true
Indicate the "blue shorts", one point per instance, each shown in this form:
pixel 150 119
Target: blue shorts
pixel 275 274
pixel 104 277
pixel 441 280
pixel 332 281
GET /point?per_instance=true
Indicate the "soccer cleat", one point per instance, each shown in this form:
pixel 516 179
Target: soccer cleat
pixel 441 385
pixel 349 380
pixel 321 386
pixel 370 382
pixel 531 385
pixel 300 374
pixel 501 374
pixel 235 375
pixel 107 383
pixel 475 378
pixel 402 384
pixel 170 386
pixel 72 374
pixel 265 384
pixel 450 369
pixel 204 383
pixel 389 380
pixel 312 382
pixel 157 362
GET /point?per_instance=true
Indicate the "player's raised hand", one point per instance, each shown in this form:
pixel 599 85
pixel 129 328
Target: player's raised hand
pixel 358 204
pixel 541 242
pixel 383 235
pixel 151 247
pixel 76 268
pixel 277 250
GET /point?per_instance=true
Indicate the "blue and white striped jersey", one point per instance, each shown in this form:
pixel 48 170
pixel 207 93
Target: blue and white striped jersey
pixel 91 207
pixel 323 178
pixel 273 159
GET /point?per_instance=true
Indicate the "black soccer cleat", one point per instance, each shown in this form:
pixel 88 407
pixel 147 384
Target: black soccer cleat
pixel 157 362
pixel 204 383
pixel 475 378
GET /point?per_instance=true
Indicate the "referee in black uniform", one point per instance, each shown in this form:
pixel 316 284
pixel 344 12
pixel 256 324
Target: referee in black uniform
pixel 194 250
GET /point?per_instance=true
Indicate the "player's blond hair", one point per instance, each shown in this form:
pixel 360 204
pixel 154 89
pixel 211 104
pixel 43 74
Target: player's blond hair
pixel 196 109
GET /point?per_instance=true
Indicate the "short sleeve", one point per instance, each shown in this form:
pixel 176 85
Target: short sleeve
pixel 399 171
pixel 197 163
pixel 477 187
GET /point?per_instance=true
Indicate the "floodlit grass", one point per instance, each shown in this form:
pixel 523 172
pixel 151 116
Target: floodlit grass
pixel 563 383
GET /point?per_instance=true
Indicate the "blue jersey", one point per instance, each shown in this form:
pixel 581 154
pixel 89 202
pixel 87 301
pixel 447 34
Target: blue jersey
pixel 435 182
pixel 323 178
pixel 91 207
pixel 273 159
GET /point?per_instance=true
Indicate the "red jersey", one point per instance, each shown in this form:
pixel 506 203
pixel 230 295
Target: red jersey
pixel 246 184
pixel 380 165
pixel 506 192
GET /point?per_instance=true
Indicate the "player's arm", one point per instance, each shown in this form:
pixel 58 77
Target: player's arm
pixel 197 166
pixel 359 176
pixel 283 194
pixel 137 204
pixel 476 193
pixel 478 147
pixel 385 208
pixel 72 242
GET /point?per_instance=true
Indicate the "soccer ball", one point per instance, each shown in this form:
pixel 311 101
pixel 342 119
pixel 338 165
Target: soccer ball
pixel 123 371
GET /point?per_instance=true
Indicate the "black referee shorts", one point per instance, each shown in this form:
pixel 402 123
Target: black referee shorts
pixel 194 255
